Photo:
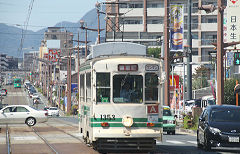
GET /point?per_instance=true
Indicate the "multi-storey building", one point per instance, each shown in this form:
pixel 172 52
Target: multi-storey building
pixel 3 62
pixel 142 21
pixel 12 62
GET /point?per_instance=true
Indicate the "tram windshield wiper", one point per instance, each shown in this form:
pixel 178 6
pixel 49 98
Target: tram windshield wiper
pixel 124 80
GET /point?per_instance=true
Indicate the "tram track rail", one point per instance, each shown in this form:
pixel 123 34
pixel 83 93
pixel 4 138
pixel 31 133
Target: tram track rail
pixel 8 140
pixel 66 132
pixel 45 141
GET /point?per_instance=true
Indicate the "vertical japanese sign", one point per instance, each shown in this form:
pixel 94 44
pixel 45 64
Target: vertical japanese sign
pixel 176 27
pixel 233 21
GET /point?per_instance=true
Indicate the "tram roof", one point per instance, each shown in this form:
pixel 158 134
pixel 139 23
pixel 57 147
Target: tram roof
pixel 116 48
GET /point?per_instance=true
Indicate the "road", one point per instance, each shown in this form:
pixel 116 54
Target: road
pixel 63 134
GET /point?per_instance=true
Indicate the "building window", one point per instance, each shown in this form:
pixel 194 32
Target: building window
pixel 133 22
pixel 155 21
pixel 53 37
pixel 155 5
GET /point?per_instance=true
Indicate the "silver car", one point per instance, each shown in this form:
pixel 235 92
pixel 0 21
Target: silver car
pixel 22 114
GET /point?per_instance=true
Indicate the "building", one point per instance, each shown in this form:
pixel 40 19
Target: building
pixel 142 21
pixel 3 62
pixel 12 63
pixel 29 62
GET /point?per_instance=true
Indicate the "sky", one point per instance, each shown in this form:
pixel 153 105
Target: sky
pixel 45 13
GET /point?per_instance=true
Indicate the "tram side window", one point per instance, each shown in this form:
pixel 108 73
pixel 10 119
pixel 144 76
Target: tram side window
pixel 151 87
pixel 103 87
pixel 82 85
pixel 88 86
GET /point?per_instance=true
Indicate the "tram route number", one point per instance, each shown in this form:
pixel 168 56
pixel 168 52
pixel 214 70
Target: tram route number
pixel 107 117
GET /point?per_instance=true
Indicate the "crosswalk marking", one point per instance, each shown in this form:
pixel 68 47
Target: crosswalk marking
pixel 174 142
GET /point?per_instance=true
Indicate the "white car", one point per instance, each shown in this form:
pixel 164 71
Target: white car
pixel 53 111
pixel 35 95
pixel 22 114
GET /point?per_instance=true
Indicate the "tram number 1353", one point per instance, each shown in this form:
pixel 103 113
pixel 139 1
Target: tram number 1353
pixel 107 117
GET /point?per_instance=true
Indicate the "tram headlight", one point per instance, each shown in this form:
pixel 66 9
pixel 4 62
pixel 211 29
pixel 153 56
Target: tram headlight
pixel 127 121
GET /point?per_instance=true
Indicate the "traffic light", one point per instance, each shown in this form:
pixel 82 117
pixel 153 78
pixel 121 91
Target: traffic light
pixel 236 58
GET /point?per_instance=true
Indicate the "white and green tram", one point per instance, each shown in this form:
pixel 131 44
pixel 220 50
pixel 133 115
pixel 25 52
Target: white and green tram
pixel 110 120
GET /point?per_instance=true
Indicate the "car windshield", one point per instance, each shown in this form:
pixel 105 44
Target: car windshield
pixel 225 115
pixel 167 113
pixel 53 109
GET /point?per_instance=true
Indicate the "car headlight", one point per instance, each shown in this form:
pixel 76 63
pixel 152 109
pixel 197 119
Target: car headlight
pixel 214 130
pixel 127 121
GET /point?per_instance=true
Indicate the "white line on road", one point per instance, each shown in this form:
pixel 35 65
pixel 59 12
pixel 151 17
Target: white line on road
pixel 174 142
pixel 193 142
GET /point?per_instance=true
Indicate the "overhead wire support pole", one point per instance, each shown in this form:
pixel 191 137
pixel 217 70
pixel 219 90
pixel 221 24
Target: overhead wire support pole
pixel 220 51
pixel 166 52
pixel 189 51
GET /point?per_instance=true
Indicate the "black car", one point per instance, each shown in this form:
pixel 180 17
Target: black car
pixel 219 126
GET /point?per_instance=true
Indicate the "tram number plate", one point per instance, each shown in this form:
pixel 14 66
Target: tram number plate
pixel 233 139
pixel 107 117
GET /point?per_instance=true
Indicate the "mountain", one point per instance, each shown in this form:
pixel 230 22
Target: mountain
pixel 10 36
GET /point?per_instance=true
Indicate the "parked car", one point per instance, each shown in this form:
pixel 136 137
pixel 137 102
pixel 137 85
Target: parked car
pixel 5 90
pixel 14 114
pixel 34 95
pixel 219 126
pixel 169 121
pixel 53 111
pixel 3 93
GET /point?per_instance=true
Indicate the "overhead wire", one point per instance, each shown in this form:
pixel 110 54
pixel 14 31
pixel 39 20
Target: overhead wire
pixel 25 26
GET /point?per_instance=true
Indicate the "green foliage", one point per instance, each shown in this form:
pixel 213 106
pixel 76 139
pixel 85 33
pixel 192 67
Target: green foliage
pixel 193 121
pixel 199 83
pixel 200 77
pixel 229 96
pixel 61 102
pixel 155 52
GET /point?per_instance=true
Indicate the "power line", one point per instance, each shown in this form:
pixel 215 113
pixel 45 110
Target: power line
pixel 25 26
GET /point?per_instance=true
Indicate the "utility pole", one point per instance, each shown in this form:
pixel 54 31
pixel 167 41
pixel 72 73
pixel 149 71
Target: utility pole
pixel 189 52
pixel 220 51
pixel 166 52
pixel 78 68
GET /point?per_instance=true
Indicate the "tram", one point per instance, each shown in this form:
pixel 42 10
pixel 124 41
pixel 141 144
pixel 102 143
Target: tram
pixel 120 97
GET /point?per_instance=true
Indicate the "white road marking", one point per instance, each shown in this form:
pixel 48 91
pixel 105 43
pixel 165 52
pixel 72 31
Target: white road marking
pixel 193 142
pixel 174 142
pixel 25 138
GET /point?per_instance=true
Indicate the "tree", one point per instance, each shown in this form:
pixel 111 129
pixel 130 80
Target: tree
pixel 155 52
pixel 229 96
pixel 200 77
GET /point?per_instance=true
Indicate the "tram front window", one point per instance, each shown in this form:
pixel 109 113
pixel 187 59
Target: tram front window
pixel 127 88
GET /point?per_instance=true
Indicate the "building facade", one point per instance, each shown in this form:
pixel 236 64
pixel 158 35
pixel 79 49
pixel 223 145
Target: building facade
pixel 142 21
pixel 3 62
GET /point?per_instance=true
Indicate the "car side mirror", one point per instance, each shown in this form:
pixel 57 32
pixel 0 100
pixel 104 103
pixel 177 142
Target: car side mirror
pixel 202 119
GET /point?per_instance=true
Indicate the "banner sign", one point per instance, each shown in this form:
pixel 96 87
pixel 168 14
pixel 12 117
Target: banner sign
pixel 176 27
pixel 230 58
pixel 233 21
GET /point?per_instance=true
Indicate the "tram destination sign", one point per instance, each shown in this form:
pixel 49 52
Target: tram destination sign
pixel 151 67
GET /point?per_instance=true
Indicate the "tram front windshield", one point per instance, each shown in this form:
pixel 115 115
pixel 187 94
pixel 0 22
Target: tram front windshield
pixel 127 88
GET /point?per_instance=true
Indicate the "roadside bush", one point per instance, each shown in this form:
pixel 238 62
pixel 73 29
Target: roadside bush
pixel 190 123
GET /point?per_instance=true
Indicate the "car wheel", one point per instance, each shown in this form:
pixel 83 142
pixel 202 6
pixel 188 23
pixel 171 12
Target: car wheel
pixel 30 121
pixel 207 145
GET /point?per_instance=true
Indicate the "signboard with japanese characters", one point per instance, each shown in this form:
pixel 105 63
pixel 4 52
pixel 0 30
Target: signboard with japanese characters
pixel 54 54
pixel 233 21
